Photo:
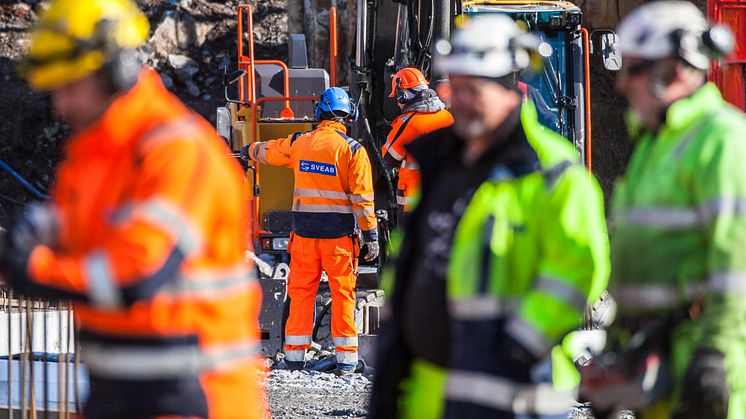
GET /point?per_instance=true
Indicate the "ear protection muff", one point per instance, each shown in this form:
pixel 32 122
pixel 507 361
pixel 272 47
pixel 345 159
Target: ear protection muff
pixel 400 94
pixel 718 40
pixel 123 64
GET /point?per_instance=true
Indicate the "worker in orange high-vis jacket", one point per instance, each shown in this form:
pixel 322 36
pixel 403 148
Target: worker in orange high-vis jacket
pixel 333 193
pixel 422 111
pixel 145 229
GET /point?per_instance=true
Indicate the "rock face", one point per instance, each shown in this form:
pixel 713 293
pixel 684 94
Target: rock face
pixel 311 17
pixel 178 31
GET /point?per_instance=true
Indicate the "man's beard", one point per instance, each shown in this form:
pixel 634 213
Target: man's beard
pixel 470 128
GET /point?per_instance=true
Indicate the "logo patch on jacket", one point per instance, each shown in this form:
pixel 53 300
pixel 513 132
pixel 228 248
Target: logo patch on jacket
pixel 317 167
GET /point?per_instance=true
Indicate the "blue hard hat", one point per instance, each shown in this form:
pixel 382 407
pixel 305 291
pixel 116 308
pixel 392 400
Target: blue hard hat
pixel 335 101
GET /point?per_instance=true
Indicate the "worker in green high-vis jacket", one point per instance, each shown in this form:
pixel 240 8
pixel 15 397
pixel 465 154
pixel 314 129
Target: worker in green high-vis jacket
pixel 501 256
pixel 678 241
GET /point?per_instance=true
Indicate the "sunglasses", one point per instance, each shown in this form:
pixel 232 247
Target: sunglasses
pixel 635 69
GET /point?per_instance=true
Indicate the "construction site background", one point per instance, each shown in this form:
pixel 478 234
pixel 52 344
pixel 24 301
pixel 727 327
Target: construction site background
pixel 194 40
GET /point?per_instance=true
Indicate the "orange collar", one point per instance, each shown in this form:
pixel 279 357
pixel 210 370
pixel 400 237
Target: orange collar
pixel 337 126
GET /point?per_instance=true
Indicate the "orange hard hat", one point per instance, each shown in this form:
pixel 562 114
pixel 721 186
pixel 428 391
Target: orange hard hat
pixel 407 78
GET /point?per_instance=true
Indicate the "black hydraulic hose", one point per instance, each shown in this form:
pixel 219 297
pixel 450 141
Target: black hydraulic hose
pixel 30 188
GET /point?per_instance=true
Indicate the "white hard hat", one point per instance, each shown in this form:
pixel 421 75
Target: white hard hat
pixel 490 45
pixel 664 29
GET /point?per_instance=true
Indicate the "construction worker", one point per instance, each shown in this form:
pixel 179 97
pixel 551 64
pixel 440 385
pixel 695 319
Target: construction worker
pixel 502 254
pixel 679 225
pixel 333 194
pixel 144 230
pixel 422 111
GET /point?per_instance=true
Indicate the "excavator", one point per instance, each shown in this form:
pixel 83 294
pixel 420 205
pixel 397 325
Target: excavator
pixel 269 99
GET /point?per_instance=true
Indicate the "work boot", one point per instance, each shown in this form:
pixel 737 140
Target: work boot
pixel 347 369
pixel 341 372
pixel 295 365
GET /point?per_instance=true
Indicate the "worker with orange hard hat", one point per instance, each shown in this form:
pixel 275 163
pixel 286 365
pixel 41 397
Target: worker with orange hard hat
pixel 144 231
pixel 422 111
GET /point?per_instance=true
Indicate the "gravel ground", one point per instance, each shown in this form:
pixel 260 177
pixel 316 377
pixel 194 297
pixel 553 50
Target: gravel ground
pixel 311 394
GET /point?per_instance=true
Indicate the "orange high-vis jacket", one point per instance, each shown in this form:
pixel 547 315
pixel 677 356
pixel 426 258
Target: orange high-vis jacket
pixel 153 236
pixel 333 181
pixel 405 128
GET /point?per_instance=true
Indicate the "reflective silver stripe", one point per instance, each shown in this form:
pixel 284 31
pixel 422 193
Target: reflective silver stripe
pixel 360 199
pixel 411 165
pixel 565 292
pixel 347 357
pixel 179 129
pixel 297 340
pixel 209 283
pixel 725 282
pixel 102 286
pixel 527 336
pixel 405 200
pixel 679 218
pixel 139 362
pixel 394 154
pixel 262 154
pixel 339 209
pixel 656 297
pixel 318 193
pixel 668 218
pixel 163 214
pixel 364 212
pixel 502 394
pixel 483 307
pixel 295 355
pixel 345 340
pixel 722 206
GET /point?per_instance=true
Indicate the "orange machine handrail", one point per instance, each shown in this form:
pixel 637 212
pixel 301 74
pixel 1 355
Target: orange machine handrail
pixel 256 227
pixel 251 76
pixel 333 46
pixel 287 112
pixel 588 133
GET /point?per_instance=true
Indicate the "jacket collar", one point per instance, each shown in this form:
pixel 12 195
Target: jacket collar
pixel 682 113
pixel 337 126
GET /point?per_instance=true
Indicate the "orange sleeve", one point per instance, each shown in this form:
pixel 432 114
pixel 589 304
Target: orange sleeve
pixel 274 152
pixel 146 238
pixel 360 183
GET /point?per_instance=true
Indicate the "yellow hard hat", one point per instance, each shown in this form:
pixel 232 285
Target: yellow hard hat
pixel 75 38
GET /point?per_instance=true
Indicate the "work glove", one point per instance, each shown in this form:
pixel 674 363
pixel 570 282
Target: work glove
pixel 373 250
pixel 245 153
pixel 35 225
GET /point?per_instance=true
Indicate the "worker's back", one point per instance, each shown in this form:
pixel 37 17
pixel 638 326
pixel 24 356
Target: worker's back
pixel 321 161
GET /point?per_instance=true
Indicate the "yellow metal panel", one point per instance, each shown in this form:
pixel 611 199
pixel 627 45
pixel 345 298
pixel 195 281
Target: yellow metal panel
pixel 562 4
pixel 275 182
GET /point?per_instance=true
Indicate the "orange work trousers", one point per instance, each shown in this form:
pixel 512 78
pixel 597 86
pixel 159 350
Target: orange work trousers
pixel 338 257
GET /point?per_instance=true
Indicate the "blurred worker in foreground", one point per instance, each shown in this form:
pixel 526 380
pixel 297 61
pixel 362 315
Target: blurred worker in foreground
pixel 333 194
pixel 421 112
pixel 679 214
pixel 501 255
pixel 145 231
